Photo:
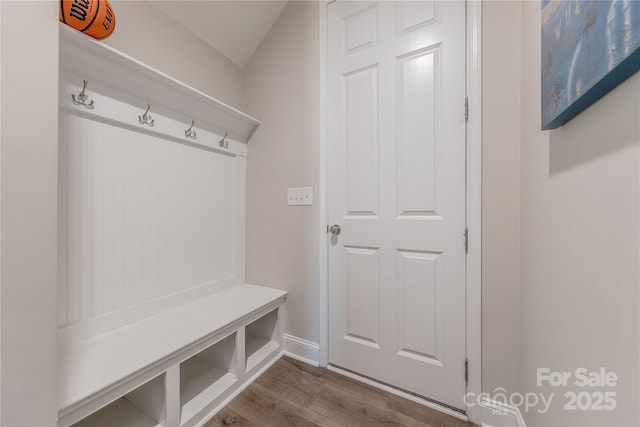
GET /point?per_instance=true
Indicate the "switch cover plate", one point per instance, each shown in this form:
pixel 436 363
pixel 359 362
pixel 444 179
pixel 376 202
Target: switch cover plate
pixel 300 196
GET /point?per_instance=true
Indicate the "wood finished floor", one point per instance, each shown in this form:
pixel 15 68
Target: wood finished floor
pixel 292 393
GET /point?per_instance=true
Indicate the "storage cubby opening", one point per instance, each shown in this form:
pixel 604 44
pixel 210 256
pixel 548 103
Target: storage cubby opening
pixel 261 339
pixel 206 376
pixel 143 407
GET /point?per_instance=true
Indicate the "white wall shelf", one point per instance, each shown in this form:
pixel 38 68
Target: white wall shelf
pixel 131 80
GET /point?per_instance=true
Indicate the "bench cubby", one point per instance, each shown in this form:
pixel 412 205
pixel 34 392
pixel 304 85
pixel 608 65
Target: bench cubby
pixel 261 339
pixel 207 376
pixel 142 407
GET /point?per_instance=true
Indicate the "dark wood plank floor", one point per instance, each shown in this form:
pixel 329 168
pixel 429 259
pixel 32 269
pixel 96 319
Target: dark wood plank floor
pixel 292 393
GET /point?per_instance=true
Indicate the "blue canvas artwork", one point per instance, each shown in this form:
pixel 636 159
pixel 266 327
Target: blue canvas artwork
pixel 588 48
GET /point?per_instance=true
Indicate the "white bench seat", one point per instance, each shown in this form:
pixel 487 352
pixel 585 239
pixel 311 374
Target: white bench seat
pixel 100 369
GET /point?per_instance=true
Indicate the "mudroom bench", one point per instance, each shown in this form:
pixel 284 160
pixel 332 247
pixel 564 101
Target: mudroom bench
pixel 175 368
pixel 156 325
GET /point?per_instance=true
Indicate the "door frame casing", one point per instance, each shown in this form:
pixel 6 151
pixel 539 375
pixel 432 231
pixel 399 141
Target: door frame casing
pixel 473 199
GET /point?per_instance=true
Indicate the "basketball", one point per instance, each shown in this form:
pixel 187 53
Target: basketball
pixel 95 18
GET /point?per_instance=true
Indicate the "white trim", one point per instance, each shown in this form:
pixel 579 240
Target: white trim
pixel 474 201
pixel 474 204
pixel 395 391
pixel 323 241
pixel 498 413
pixel 301 349
pixel 205 419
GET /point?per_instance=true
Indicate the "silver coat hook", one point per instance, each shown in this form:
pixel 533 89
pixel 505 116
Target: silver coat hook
pixel 146 118
pixel 82 97
pixel 223 142
pixel 191 132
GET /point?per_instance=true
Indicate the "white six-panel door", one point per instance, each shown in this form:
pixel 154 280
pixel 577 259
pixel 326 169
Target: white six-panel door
pixel 396 132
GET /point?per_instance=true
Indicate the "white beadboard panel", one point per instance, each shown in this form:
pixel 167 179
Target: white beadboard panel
pixel 146 218
pixel 240 216
pixel 62 223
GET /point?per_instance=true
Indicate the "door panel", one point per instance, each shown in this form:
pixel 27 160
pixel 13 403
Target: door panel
pixel 363 299
pixel 417 308
pixel 396 87
pixel 414 14
pixel 361 123
pixel 418 80
pixel 361 29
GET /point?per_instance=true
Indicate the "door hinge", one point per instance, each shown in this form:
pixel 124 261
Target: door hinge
pixel 466 371
pixel 466 108
pixel 466 240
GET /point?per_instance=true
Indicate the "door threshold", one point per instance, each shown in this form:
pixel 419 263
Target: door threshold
pixel 424 401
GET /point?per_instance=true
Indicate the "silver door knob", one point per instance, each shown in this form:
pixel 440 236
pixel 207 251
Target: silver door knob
pixel 334 229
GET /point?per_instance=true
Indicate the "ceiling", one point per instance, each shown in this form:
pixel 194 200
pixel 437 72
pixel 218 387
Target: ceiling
pixel 234 28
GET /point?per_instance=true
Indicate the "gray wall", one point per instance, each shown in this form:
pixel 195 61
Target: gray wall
pixel 282 90
pixel 580 219
pixel 146 33
pixel 28 243
pixel 501 40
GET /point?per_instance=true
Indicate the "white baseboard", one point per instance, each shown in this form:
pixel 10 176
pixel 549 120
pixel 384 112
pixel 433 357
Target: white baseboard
pixel 302 350
pixel 498 414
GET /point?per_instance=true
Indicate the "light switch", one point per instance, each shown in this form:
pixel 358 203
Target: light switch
pixel 300 196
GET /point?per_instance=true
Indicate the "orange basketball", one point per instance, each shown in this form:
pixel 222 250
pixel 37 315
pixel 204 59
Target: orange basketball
pixel 93 17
